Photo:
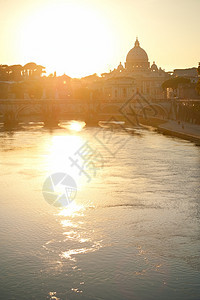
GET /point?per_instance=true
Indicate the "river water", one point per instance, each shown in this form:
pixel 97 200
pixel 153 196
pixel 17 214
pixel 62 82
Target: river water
pixel 132 232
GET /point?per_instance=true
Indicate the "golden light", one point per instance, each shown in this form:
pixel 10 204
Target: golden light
pixel 57 160
pixel 60 154
pixel 72 210
pixel 76 126
pixel 67 37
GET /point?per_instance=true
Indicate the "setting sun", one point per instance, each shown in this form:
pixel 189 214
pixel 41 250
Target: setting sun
pixel 86 37
pixel 67 37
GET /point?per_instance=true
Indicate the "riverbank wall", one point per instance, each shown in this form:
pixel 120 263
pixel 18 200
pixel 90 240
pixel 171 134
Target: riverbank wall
pixel 183 130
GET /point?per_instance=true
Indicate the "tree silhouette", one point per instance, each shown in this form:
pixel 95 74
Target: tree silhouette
pixel 29 69
pixel 5 72
pixel 16 72
pixel 174 82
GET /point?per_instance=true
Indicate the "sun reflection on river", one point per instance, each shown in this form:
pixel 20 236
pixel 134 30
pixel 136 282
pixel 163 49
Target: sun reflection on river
pixel 75 231
pixel 60 149
pixel 76 126
pixel 68 254
pixel 72 210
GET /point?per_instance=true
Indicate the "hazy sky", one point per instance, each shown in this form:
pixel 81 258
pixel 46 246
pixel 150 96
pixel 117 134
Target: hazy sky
pixel 81 37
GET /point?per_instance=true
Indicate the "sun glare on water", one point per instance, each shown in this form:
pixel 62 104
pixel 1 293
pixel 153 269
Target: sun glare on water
pixel 76 126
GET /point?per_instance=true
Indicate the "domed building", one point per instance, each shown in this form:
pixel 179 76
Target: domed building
pixel 154 67
pixel 135 76
pixel 137 58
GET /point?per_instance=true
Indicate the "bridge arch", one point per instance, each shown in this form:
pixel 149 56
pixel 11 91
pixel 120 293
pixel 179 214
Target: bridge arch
pixel 28 109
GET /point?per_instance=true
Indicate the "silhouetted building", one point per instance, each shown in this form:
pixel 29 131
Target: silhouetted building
pixel 136 75
pixel 189 73
pixel 187 90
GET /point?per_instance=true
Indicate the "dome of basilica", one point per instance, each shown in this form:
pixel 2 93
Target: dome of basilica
pixel 137 53
pixel 137 57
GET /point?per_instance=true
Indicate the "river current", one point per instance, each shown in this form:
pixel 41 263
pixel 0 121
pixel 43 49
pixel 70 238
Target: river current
pixel 132 231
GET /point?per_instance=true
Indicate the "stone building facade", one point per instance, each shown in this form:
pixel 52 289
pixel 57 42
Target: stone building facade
pixel 135 75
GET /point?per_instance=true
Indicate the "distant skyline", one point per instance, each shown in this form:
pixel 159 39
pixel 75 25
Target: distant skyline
pixel 80 38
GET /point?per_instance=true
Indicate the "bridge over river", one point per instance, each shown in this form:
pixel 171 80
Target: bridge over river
pixel 14 111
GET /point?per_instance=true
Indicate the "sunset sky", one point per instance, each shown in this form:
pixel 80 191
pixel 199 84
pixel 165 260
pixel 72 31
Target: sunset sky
pixel 82 37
